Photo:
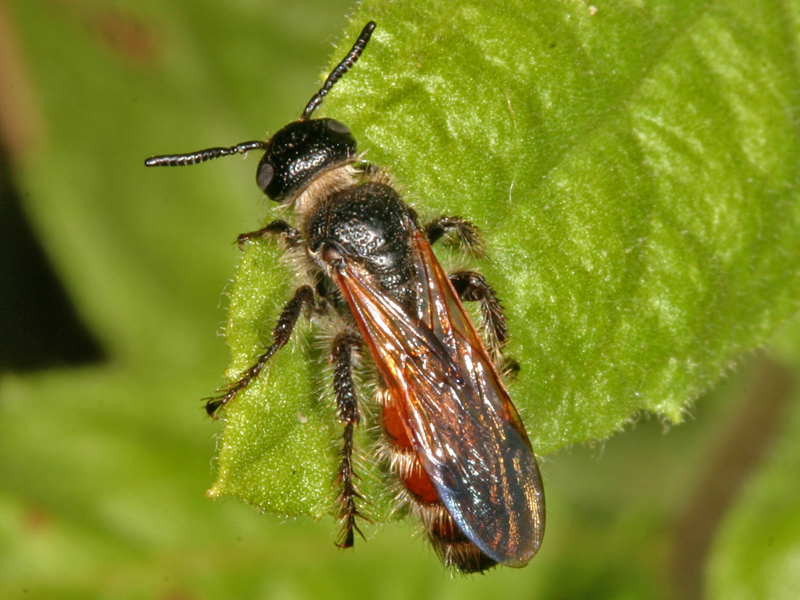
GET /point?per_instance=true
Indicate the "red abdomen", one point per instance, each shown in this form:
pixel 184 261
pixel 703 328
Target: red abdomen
pixel 450 543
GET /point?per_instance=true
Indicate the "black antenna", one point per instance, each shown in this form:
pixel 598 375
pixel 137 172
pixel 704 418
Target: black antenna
pixel 193 158
pixel 342 68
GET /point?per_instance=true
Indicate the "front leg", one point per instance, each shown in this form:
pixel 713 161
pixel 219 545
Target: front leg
pixel 465 233
pixel 303 297
pixel 291 236
pixel 345 347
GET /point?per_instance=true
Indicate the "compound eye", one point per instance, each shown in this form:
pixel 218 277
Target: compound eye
pixel 264 175
pixel 337 127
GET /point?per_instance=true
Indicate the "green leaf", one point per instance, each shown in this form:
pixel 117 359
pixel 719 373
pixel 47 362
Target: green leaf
pixel 103 468
pixel 634 170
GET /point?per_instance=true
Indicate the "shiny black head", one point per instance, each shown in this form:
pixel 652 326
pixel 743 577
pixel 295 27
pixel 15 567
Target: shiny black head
pixel 301 151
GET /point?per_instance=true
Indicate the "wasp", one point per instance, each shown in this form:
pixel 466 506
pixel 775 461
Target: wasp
pixel 452 437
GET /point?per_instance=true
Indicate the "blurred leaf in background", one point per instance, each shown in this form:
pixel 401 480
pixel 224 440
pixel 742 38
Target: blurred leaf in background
pixel 634 169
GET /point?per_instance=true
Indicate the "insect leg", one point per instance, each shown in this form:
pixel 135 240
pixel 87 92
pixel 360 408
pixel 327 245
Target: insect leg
pixel 465 232
pixel 345 345
pixel 304 296
pixel 473 287
pixel 277 228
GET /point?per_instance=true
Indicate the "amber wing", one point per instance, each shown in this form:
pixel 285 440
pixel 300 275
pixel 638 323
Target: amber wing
pixel 457 412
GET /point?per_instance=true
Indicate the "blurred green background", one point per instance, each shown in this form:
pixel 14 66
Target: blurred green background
pixel 112 282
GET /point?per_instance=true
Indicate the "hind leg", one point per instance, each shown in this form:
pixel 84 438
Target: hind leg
pixel 346 346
